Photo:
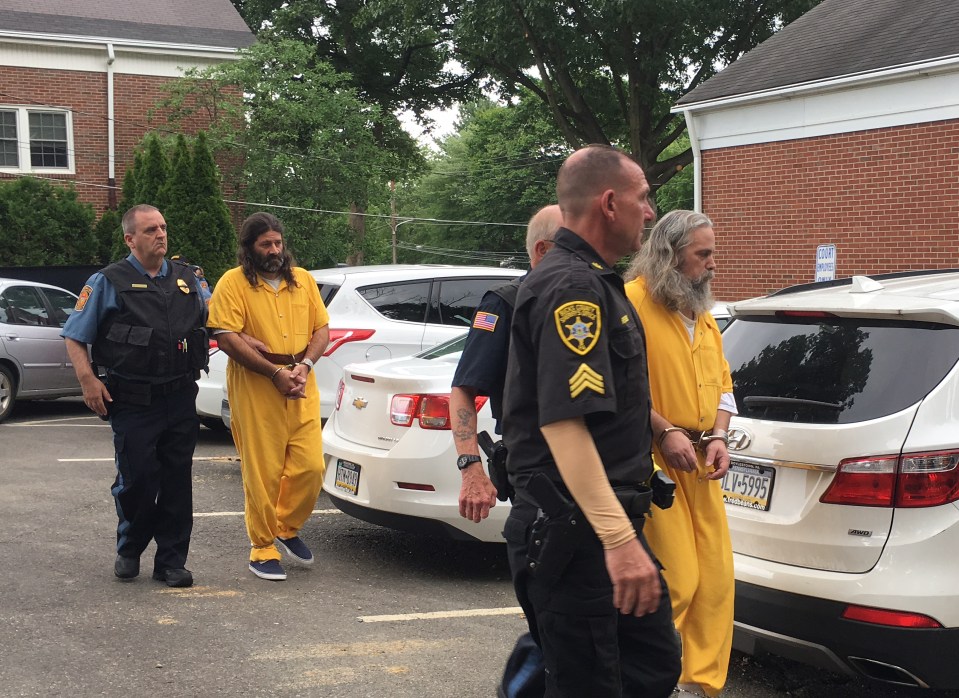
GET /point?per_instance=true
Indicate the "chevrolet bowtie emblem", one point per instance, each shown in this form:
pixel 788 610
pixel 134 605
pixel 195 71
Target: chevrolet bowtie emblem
pixel 359 403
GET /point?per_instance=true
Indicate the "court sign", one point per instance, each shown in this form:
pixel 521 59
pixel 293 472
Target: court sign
pixel 825 263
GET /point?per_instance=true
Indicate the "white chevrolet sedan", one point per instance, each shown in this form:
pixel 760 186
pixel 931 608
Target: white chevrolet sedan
pixel 389 452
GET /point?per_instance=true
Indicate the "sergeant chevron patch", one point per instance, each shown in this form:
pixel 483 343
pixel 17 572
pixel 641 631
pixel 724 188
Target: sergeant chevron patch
pixel 586 378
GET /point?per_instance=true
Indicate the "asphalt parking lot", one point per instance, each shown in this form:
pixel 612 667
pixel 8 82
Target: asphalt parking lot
pixel 381 613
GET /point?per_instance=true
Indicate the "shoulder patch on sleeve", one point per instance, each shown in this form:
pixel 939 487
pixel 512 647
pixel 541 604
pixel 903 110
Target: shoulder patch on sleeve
pixel 485 321
pixel 578 324
pixel 84 296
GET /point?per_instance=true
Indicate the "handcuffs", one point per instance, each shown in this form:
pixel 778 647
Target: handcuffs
pixel 701 442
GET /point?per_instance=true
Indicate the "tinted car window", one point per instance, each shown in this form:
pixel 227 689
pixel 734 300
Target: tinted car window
pixel 399 301
pixel 327 291
pixel 457 300
pixel 62 303
pixel 24 306
pixel 834 370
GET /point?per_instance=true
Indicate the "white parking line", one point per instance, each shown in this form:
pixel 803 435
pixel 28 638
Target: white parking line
pixel 240 513
pixel 217 459
pixel 100 424
pixel 465 613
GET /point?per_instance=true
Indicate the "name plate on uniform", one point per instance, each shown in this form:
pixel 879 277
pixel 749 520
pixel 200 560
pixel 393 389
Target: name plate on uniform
pixel 347 477
pixel 747 485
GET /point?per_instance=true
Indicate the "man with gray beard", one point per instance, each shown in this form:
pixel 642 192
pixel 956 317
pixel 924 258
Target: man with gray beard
pixel 692 404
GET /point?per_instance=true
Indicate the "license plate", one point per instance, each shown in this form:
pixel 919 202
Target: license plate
pixel 747 485
pixel 347 477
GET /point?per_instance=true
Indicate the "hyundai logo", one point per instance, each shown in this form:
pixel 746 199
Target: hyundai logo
pixel 739 439
pixel 359 403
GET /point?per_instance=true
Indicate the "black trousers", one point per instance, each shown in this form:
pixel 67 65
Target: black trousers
pixel 590 648
pixel 153 489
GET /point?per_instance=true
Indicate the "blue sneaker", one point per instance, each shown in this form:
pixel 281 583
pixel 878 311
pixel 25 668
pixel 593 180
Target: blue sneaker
pixel 296 548
pixel 268 569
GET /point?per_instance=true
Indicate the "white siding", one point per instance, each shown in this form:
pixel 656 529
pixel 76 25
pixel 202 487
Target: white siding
pixel 912 99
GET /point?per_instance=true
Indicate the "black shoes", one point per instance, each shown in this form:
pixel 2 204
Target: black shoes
pixel 174 577
pixel 126 567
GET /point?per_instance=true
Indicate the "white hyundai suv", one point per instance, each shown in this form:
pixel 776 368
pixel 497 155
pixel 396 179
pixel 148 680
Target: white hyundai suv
pixel 843 495
pixel 378 312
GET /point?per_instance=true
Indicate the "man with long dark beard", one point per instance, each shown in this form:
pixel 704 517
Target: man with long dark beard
pixel 274 403
pixel 692 404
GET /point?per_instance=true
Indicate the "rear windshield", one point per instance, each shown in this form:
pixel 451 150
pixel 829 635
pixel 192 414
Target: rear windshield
pixel 451 346
pixel 834 370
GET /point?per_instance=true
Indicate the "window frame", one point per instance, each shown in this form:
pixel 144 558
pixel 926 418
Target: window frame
pixel 22 122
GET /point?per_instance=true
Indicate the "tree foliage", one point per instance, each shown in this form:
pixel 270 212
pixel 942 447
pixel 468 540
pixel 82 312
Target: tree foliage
pixel 499 167
pixel 42 224
pixel 306 142
pixel 183 182
pixel 395 54
pixel 610 70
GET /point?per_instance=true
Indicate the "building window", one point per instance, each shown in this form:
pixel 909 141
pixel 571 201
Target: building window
pixel 9 152
pixel 35 140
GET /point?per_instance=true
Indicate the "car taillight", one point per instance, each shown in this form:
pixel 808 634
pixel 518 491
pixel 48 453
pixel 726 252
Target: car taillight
pixel 340 337
pixel 804 313
pixel 928 479
pixel 863 482
pixel 912 480
pixel 403 409
pixel 882 616
pixel 214 346
pixel 431 411
pixel 339 394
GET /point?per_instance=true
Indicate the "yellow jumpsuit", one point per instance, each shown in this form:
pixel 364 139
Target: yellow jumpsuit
pixel 691 538
pixel 279 440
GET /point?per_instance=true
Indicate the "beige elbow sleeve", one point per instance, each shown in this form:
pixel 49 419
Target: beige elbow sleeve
pixel 582 471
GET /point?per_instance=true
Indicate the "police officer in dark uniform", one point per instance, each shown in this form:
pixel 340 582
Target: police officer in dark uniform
pixel 145 317
pixel 482 371
pixel 577 427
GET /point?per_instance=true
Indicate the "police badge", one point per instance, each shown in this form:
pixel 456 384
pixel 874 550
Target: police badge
pixel 578 324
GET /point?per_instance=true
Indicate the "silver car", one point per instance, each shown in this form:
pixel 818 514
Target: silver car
pixel 33 357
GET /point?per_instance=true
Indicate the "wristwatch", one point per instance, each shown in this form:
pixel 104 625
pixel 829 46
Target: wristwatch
pixel 465 461
pixel 306 362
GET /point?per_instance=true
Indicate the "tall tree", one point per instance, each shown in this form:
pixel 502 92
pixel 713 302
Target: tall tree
pixel 300 138
pixel 610 70
pixel 395 55
pixel 153 173
pixel 210 233
pixel 499 167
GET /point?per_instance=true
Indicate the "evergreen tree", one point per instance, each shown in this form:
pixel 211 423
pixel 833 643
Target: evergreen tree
pixel 42 224
pixel 152 174
pixel 211 229
pixel 109 237
pixel 128 195
pixel 178 196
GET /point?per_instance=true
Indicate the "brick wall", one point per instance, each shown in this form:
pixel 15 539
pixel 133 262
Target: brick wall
pixel 887 198
pixel 85 93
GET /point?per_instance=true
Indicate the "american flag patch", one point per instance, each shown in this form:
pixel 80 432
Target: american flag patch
pixel 485 321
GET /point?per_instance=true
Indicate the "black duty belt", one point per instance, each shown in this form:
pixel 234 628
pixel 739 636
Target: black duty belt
pixel 283 359
pixel 141 392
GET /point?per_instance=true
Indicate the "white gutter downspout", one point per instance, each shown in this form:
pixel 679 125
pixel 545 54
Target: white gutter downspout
pixel 111 150
pixel 697 161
